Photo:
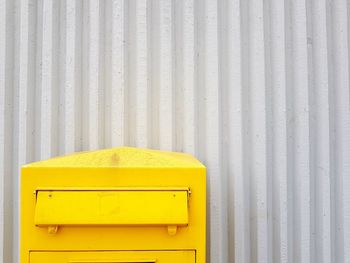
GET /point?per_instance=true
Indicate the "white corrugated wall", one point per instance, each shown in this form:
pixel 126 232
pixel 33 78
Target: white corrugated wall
pixel 257 90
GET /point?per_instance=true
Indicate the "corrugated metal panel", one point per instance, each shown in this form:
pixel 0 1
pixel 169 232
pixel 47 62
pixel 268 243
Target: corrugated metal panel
pixel 257 90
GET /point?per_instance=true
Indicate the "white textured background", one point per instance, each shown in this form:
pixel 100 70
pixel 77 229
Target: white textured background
pixel 257 90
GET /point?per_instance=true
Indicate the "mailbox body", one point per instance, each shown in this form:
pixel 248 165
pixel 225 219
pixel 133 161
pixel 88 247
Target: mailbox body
pixel 117 205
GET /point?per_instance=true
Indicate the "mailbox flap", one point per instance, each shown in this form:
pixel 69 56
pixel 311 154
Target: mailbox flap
pixel 165 256
pixel 111 207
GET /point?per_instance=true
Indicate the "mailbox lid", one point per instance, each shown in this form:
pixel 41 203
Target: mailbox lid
pixel 112 207
pixel 114 257
pixel 122 157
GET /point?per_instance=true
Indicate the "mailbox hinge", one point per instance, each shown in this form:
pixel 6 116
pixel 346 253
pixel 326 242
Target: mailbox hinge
pixel 52 229
pixel 172 230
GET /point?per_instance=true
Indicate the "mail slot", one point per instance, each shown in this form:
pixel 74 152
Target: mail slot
pixel 116 205
pixel 111 207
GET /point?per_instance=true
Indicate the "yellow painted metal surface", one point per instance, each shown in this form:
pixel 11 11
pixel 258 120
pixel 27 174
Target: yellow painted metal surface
pixel 116 205
pixel 114 257
pixel 122 157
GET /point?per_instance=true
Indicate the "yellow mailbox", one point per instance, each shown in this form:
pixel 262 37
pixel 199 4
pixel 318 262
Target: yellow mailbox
pixel 114 206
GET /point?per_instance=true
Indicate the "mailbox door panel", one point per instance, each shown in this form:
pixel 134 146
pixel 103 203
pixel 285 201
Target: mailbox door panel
pixel 114 257
pixel 111 207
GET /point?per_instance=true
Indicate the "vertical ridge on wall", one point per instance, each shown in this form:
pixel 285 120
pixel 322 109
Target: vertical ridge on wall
pixel 37 79
pixel 7 79
pixel 300 132
pixel 341 136
pixel 238 235
pixel 6 98
pixel 258 150
pixel 212 135
pixel 26 88
pixel 188 83
pixel 71 81
pixel 118 83
pixel 140 66
pixel 319 88
pixel 23 131
pixel 94 75
pixel 166 94
pixel 257 90
pixel 3 124
pixel 280 209
pixel 48 80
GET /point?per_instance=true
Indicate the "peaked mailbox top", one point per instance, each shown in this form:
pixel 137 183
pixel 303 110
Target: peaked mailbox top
pixel 122 157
